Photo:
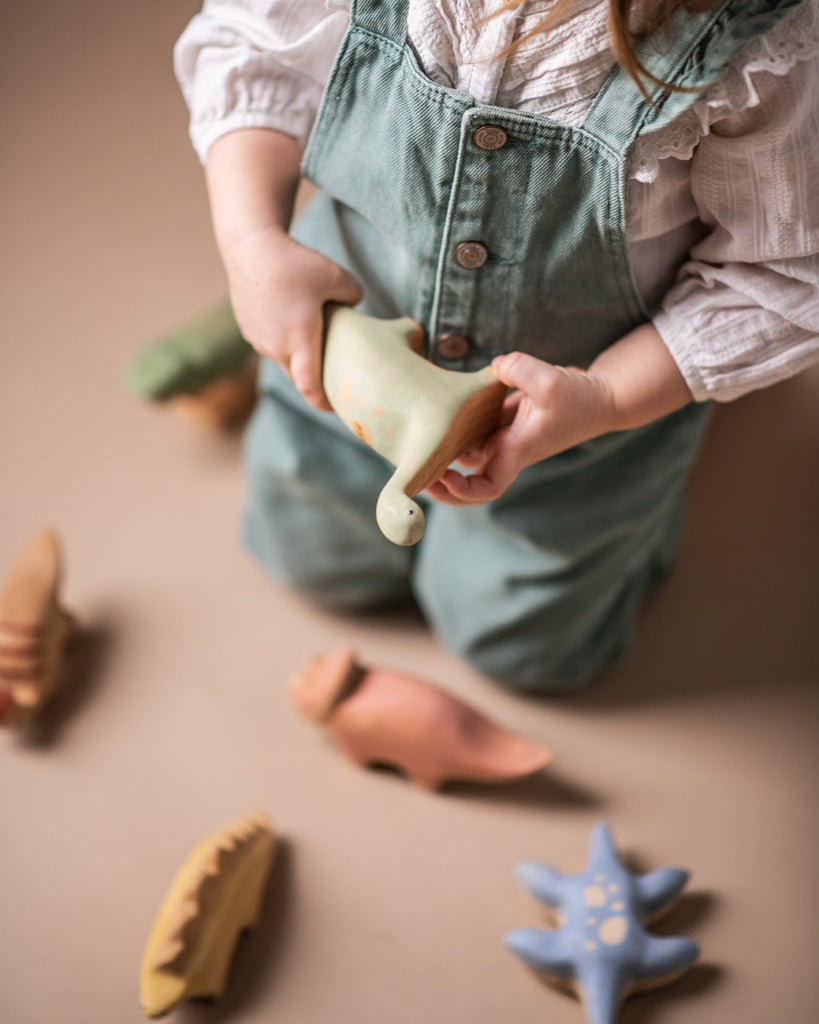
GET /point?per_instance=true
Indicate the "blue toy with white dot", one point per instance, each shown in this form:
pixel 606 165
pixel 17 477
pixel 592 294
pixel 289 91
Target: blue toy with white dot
pixel 602 952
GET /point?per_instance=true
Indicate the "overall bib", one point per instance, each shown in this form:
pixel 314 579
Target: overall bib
pixel 497 230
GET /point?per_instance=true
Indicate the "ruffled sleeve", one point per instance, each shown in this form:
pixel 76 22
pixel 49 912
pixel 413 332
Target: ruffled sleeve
pixel 744 311
pixel 257 64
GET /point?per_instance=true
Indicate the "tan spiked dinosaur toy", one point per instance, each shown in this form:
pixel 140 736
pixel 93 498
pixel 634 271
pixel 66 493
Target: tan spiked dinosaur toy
pixel 383 716
pixel 417 415
pixel 34 629
pixel 216 894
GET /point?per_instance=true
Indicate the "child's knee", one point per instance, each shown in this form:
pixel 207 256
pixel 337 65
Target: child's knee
pixel 539 661
pixel 308 533
pixel 338 578
pixel 539 668
pixel 544 640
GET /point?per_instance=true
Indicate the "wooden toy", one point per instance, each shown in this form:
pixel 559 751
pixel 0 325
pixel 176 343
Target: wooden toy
pixel 419 416
pixel 216 894
pixel 382 716
pixel 34 629
pixel 601 952
pixel 206 370
pixel 223 405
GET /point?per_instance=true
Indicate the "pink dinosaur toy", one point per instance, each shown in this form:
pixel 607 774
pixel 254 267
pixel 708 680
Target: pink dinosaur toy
pixel 382 716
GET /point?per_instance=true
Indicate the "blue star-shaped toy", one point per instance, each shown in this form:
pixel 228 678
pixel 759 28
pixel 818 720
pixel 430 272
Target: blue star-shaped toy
pixel 602 953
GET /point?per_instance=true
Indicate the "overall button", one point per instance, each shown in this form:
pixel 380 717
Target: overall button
pixel 471 255
pixel 452 346
pixel 490 136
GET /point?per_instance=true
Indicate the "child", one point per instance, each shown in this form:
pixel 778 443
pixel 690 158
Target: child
pixel 623 237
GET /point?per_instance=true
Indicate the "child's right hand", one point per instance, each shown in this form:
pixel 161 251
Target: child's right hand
pixel 278 289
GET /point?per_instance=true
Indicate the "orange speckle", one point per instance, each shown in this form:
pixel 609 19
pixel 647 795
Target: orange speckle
pixel 361 431
pixel 379 410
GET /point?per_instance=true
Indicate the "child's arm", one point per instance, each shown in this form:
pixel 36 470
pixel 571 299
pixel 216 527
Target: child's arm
pixel 277 286
pixel 632 383
pixel 744 311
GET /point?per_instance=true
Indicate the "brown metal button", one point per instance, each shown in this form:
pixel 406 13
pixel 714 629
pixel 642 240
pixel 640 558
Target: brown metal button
pixel 490 136
pixel 471 255
pixel 452 346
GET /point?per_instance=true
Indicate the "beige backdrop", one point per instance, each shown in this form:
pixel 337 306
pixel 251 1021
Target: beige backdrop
pixel 387 904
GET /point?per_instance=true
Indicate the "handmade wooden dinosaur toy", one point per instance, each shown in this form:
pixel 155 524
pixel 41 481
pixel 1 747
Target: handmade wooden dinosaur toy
pixel 382 716
pixel 417 415
pixel 206 370
pixel 599 949
pixel 34 629
pixel 216 894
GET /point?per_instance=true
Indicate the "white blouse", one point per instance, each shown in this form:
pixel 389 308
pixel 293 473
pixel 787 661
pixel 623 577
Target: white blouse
pixel 723 205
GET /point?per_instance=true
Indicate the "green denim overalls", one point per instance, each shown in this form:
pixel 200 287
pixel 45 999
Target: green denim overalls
pixel 497 230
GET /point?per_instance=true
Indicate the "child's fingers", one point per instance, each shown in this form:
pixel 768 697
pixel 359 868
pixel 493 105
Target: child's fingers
pixel 472 458
pixel 456 489
pixel 343 287
pixel 534 378
pixel 438 492
pixel 443 492
pixel 306 360
pixel 475 458
pixel 517 369
pixel 305 369
pixel 509 409
pixel 475 489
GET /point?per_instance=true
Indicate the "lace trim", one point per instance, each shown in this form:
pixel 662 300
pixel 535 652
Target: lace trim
pixel 776 52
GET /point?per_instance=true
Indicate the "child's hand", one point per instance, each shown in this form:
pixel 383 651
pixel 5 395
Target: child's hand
pixel 278 289
pixel 552 409
pixel 633 382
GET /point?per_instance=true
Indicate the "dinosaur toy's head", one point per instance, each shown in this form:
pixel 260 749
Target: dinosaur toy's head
pixel 399 518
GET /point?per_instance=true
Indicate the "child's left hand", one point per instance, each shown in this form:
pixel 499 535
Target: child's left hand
pixel 553 408
pixel 633 382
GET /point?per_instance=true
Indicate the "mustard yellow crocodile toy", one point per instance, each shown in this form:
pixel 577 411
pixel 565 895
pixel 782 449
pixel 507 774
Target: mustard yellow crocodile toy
pixel 216 895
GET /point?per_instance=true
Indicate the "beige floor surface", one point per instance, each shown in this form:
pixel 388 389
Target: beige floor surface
pixel 388 904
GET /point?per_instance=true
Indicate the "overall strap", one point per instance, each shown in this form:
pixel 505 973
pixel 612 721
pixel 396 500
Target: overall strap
pixel 693 52
pixel 382 17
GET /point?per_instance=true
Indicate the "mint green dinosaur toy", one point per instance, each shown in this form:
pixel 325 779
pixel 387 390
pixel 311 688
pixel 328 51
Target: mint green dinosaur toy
pixel 417 415
pixel 206 368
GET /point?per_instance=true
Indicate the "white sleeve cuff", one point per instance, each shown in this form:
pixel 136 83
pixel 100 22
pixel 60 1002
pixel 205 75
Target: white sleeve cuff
pixel 734 329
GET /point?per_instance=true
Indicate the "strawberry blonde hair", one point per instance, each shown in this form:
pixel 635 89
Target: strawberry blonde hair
pixel 655 15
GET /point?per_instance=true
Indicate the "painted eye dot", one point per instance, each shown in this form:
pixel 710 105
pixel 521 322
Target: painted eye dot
pixel 410 511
